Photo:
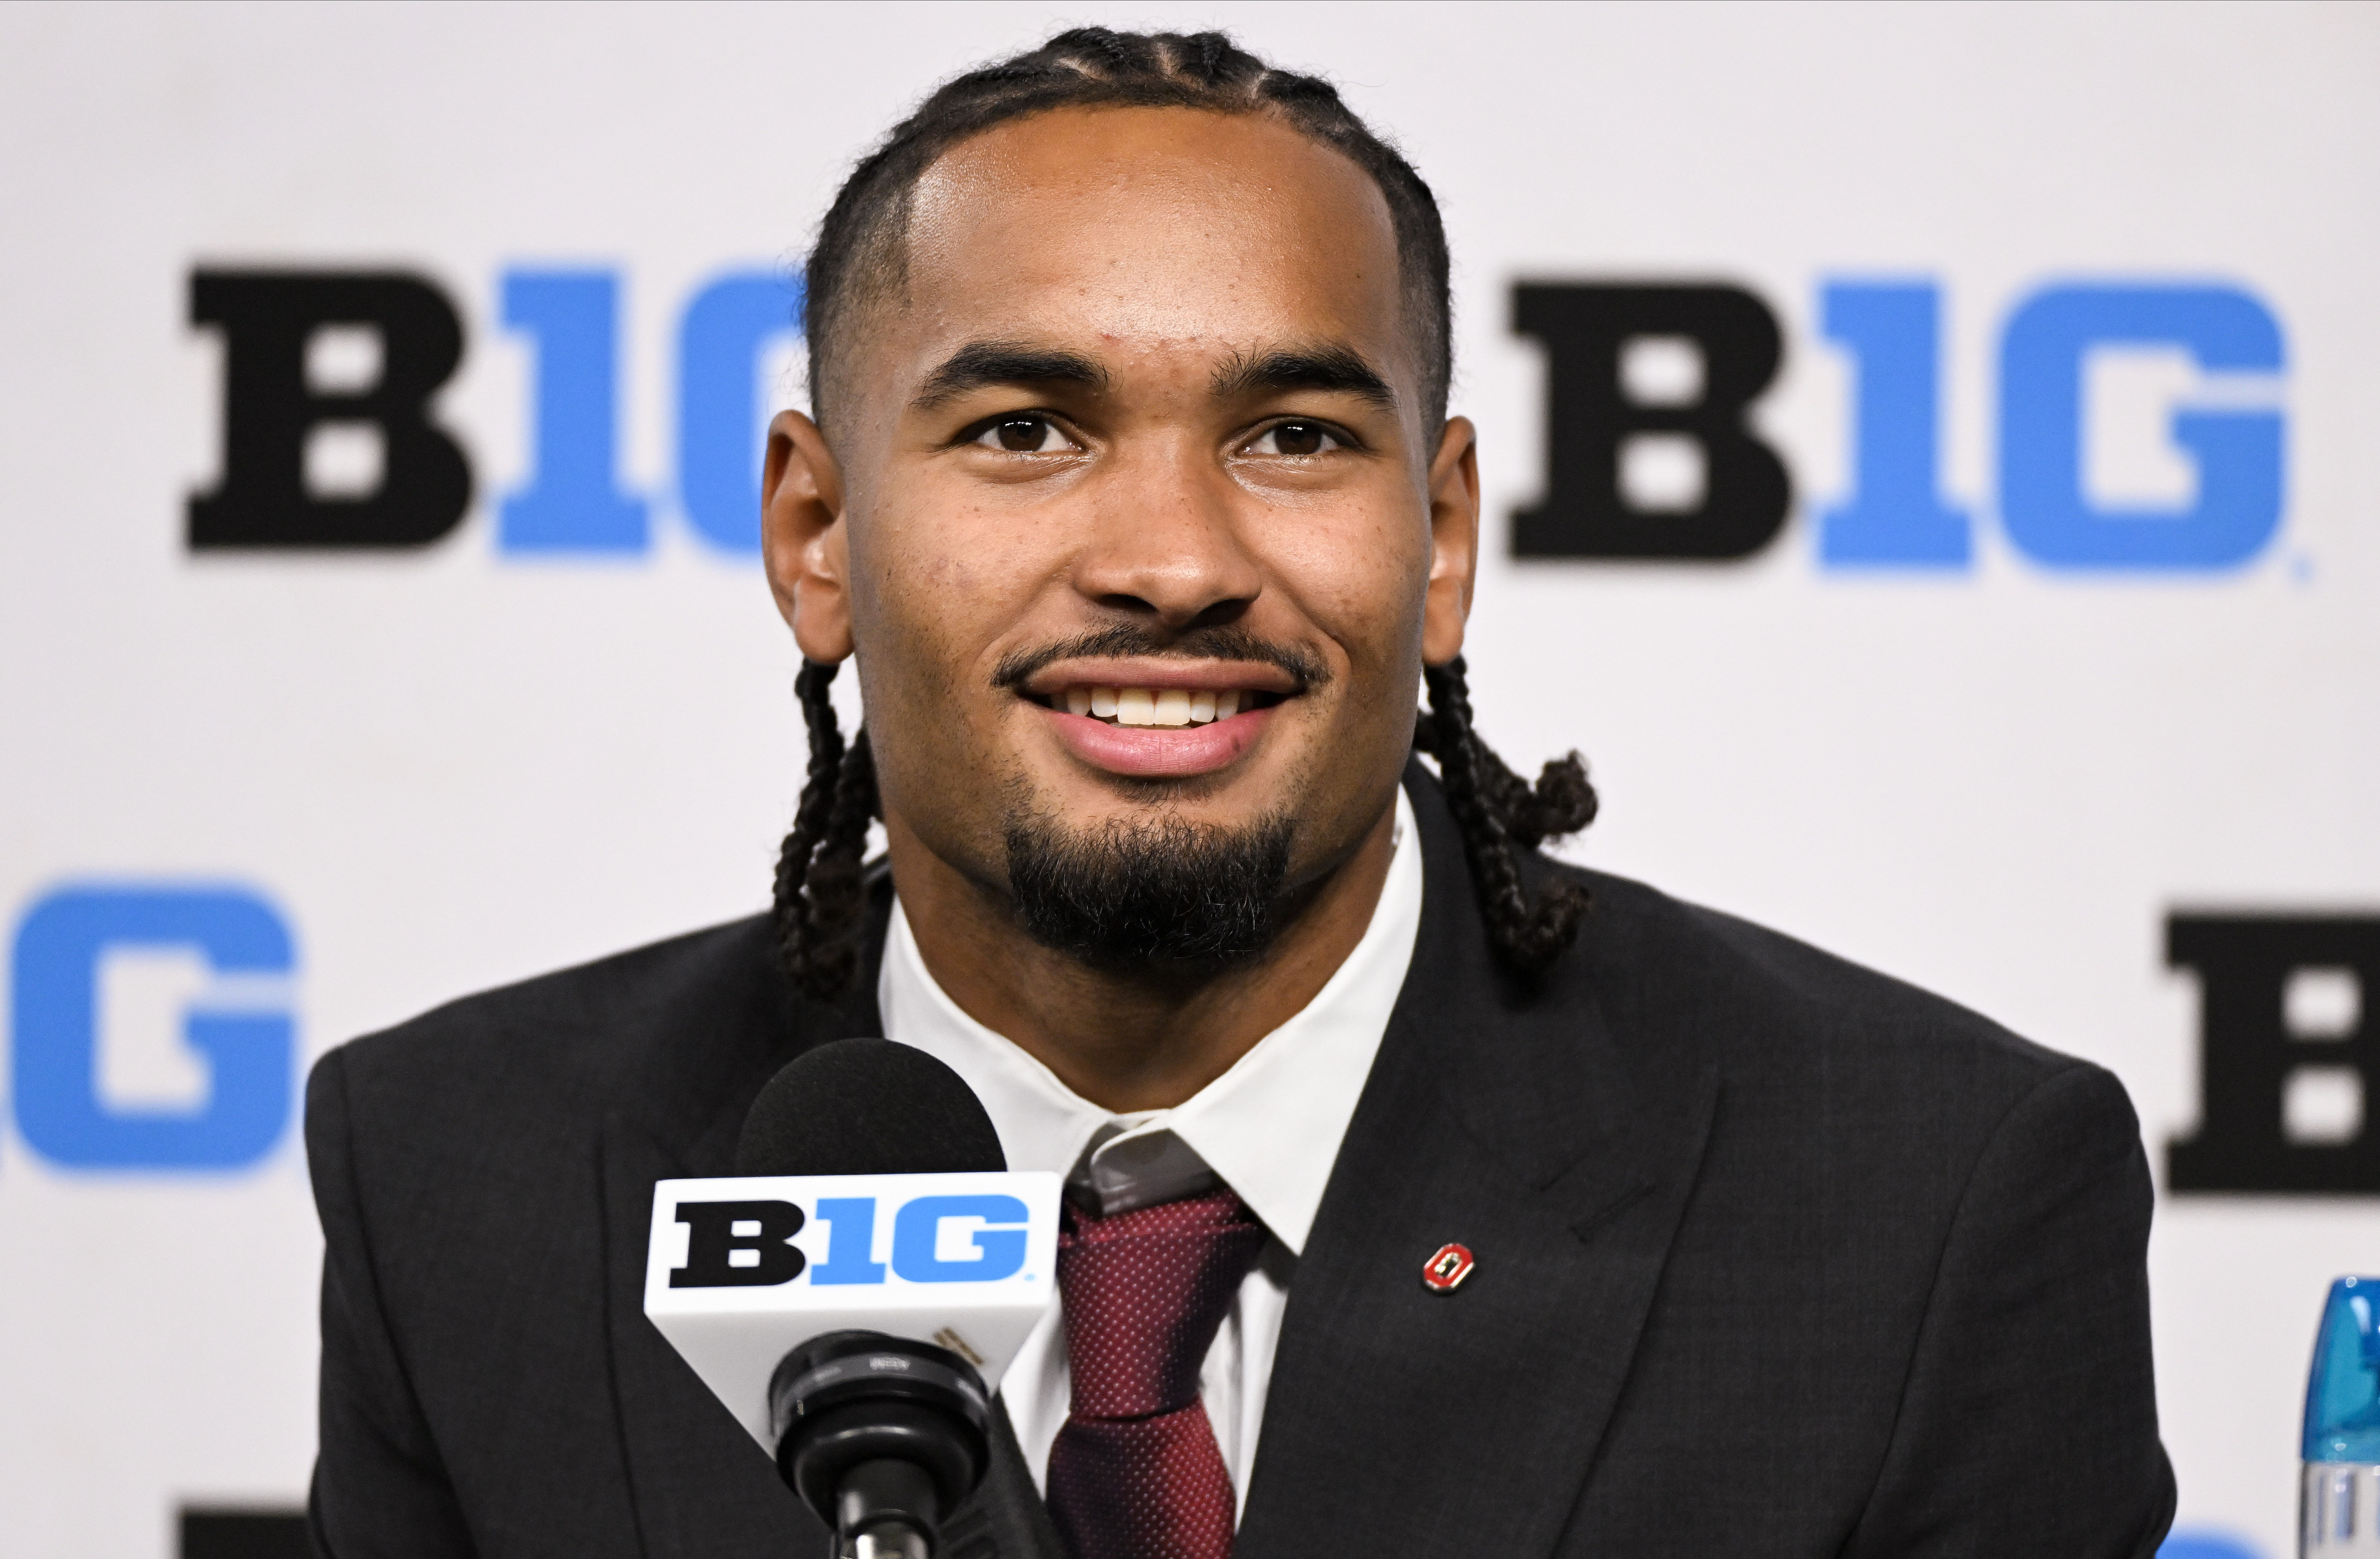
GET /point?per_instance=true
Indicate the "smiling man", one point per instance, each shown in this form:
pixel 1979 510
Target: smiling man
pixel 1426 1197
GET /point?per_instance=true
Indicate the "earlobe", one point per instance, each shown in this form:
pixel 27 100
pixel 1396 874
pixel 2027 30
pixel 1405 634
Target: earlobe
pixel 804 542
pixel 1453 542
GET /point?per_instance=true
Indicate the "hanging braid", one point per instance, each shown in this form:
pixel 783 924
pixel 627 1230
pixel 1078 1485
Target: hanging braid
pixel 859 258
pixel 819 904
pixel 819 899
pixel 1500 815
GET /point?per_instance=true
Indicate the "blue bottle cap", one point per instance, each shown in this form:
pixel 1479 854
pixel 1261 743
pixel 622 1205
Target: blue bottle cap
pixel 2342 1417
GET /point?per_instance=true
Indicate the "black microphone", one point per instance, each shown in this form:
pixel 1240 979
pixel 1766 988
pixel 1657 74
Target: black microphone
pixel 882 1436
pixel 867 1107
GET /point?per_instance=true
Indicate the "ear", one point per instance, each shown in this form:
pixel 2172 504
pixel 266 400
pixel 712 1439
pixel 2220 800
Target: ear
pixel 1453 542
pixel 804 543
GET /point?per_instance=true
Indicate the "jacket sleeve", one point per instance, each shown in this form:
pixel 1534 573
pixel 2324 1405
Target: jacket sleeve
pixel 379 1487
pixel 2028 1421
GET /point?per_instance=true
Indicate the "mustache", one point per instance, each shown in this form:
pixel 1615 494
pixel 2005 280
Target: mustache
pixel 1223 643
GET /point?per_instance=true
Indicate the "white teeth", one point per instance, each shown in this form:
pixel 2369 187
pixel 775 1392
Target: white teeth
pixel 1154 706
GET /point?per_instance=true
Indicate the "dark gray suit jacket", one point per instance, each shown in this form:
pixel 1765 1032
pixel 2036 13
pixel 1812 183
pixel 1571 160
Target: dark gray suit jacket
pixel 1776 1256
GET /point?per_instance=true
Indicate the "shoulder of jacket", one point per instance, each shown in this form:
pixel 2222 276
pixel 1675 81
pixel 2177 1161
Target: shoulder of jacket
pixel 1749 988
pixel 632 1028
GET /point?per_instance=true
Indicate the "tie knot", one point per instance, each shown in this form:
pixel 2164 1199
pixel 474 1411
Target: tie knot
pixel 1143 1293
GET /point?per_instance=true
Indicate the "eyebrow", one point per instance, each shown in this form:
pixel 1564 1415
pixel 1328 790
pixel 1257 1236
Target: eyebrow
pixel 1329 367
pixel 981 363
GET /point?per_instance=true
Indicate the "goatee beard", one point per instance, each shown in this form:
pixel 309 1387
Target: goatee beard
pixel 1165 896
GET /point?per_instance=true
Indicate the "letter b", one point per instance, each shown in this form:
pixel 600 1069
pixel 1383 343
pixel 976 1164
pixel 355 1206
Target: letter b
pixel 2252 1047
pixel 718 1232
pixel 1594 416
pixel 272 412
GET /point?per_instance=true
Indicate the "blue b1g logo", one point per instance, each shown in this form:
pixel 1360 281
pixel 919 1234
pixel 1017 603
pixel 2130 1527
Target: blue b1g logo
pixel 1651 454
pixel 330 445
pixel 748 1243
pixel 71 950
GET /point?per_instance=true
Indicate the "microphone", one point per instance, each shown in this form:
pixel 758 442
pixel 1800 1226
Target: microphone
pixel 853 1294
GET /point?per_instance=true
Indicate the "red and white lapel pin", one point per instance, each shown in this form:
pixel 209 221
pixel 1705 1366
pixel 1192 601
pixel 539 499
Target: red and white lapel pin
pixel 1446 1269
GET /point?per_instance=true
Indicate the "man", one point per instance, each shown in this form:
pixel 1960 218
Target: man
pixel 1462 1203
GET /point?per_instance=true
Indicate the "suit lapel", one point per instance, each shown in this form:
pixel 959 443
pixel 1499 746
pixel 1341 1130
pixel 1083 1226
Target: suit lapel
pixel 1507 1120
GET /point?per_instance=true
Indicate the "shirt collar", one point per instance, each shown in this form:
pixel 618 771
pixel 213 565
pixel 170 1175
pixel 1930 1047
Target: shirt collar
pixel 1269 1127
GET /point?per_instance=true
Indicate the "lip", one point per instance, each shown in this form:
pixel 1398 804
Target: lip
pixel 1158 751
pixel 1219 677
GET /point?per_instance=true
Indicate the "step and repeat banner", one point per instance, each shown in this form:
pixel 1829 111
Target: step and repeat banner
pixel 1931 468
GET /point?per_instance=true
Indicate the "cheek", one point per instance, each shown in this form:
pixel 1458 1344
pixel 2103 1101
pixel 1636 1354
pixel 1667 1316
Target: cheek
pixel 922 613
pixel 1359 573
pixel 940 589
pixel 924 587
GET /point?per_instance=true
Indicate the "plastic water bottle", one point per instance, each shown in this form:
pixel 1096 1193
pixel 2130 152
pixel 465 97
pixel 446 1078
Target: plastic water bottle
pixel 2340 1500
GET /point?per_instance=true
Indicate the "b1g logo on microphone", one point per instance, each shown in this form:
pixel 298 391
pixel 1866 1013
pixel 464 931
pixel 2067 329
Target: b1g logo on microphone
pixel 749 1243
pixel 739 1270
pixel 818 1240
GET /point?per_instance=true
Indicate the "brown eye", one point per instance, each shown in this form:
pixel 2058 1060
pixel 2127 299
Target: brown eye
pixel 1295 439
pixel 1023 435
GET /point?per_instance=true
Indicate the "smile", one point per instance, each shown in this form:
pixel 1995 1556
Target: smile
pixel 1159 706
pixel 1156 717
pixel 1150 718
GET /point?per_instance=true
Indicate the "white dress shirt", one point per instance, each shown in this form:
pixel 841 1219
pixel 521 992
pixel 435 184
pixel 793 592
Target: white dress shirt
pixel 1269 1128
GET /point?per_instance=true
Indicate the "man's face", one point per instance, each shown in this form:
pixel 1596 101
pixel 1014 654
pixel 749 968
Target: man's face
pixel 1140 533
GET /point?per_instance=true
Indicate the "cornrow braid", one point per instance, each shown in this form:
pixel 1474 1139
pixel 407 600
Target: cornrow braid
pixel 859 257
pixel 820 904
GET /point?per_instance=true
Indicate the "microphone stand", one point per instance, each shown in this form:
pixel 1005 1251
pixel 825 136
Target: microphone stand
pixel 893 1540
pixel 882 1437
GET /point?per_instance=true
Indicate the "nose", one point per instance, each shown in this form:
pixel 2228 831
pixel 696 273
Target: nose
pixel 1165 544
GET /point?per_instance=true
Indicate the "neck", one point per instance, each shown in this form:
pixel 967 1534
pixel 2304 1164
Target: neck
pixel 1125 1040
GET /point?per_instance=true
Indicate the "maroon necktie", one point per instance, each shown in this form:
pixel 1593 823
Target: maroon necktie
pixel 1136 1472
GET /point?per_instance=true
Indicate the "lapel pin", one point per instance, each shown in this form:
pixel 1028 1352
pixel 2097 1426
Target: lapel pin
pixel 1444 1272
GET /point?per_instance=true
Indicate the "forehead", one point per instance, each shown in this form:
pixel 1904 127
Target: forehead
pixel 1152 226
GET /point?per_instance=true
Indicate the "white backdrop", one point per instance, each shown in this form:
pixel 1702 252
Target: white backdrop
pixel 448 768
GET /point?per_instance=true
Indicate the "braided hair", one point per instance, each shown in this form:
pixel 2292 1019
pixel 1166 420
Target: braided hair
pixel 859 260
pixel 1500 815
pixel 819 904
pixel 818 901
